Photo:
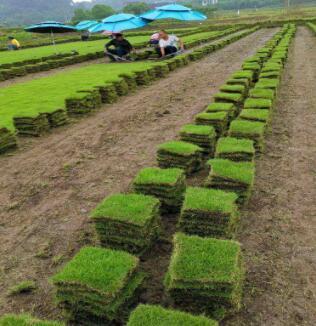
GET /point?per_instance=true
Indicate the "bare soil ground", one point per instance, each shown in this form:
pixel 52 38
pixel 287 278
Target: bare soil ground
pixel 279 224
pixel 49 186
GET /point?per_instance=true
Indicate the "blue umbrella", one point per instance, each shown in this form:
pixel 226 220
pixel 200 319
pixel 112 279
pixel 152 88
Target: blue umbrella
pixel 173 12
pixel 118 23
pixel 86 24
pixel 50 27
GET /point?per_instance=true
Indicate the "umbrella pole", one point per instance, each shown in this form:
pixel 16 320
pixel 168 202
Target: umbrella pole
pixel 53 39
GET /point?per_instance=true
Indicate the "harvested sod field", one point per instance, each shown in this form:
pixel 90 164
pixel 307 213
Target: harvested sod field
pixel 149 315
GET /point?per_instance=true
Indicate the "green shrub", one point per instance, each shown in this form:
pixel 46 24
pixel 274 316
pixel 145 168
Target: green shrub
pixel 181 155
pixel 248 129
pixel 209 212
pixel 235 149
pixel 26 320
pixel 97 285
pixel 168 185
pixel 231 176
pixel 201 135
pixel 148 315
pixel 205 275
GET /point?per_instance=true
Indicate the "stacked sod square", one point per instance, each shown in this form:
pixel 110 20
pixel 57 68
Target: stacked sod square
pixel 219 120
pixel 129 222
pixel 31 126
pixel 205 275
pixel 7 140
pixel 201 135
pixel 26 320
pixel 230 108
pixel 235 149
pixel 168 185
pixel 209 212
pixel 253 130
pixel 231 176
pixel 180 154
pixel 98 286
pixel 149 315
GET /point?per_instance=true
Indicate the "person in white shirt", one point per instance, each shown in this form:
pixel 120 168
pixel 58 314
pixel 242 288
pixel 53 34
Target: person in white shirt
pixel 169 44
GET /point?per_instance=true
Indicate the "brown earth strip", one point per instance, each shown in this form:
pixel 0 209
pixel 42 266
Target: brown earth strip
pixel 49 186
pixel 278 232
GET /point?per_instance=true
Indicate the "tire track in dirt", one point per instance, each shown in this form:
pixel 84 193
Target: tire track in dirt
pixel 49 186
pixel 279 223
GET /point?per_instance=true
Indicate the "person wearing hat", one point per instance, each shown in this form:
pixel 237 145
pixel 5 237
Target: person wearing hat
pixel 13 44
pixel 119 46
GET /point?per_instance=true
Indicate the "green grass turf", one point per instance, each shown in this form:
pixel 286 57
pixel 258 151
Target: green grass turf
pixel 233 88
pixel 149 315
pixel 242 74
pixel 235 97
pixel 134 208
pixel 262 93
pixel 101 269
pixel 204 260
pixel 23 99
pixel 255 114
pixel 239 171
pixel 257 103
pixel 159 176
pixel 247 127
pixel 231 145
pixel 209 200
pixel 179 147
pixel 198 130
pixel 216 116
pixel 215 107
pixel 26 320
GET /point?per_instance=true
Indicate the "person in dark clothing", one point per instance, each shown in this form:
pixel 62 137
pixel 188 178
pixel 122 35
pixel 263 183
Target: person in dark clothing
pixel 119 46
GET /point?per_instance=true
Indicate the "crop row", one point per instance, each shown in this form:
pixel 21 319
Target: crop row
pixel 81 91
pixel 312 27
pixel 206 272
pixel 87 52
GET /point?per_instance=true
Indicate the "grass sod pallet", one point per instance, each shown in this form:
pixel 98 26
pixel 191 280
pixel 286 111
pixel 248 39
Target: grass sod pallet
pixel 83 102
pixel 230 108
pixel 200 135
pixel 209 213
pixel 154 315
pixel 31 126
pixel 250 130
pixel 235 149
pixel 205 275
pixel 168 185
pixel 219 120
pixel 128 222
pixel 231 176
pixel 179 154
pixel 261 115
pixel 98 285
pixel 7 140
pixel 26 320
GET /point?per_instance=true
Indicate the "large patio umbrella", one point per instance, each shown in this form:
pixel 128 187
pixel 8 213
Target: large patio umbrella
pixel 118 23
pixel 50 27
pixel 173 12
pixel 86 24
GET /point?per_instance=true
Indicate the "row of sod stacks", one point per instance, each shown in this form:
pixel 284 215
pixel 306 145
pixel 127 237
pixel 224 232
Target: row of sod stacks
pixel 7 140
pixel 168 185
pixel 98 286
pixel 209 213
pixel 235 149
pixel 219 120
pixel 128 222
pixel 205 275
pixel 31 126
pixel 83 102
pixel 201 135
pixel 108 93
pixel 229 108
pixel 26 320
pixel 149 315
pixel 231 176
pixel 57 118
pixel 180 154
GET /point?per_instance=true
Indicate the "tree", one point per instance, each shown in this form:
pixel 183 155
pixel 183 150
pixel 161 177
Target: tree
pixel 136 8
pixel 81 14
pixel 101 11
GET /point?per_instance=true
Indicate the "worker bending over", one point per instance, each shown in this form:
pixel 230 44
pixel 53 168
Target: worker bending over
pixel 169 44
pixel 119 46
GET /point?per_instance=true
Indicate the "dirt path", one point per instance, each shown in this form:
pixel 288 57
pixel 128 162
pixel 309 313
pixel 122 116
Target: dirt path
pixel 48 187
pixel 279 224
